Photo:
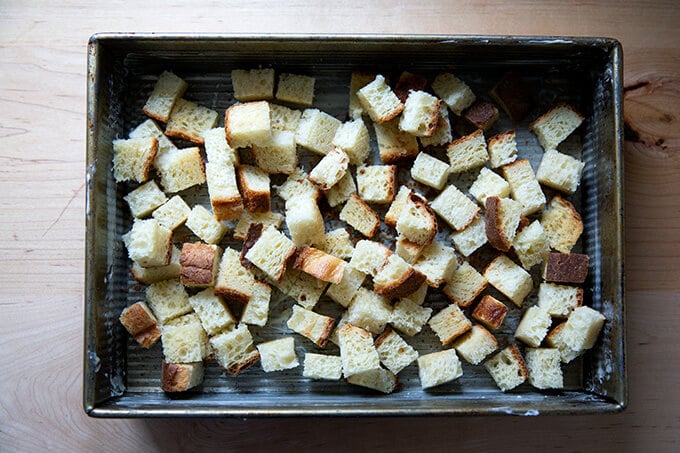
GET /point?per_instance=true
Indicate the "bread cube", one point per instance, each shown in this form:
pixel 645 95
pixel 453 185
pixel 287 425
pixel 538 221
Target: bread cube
pixel 408 317
pixel 489 184
pixel 145 199
pixel 582 328
pixel 449 324
pixel 150 129
pixel 559 300
pixel 417 221
pixel 180 169
pixel 467 152
pixel 278 156
pixel 502 149
pixel 533 327
pixel 358 80
pixel 253 85
pixel 544 368
pixel 408 82
pixel 320 264
pixel 204 225
pixel 395 353
pixel 555 125
pixel 167 90
pixel 234 350
pixel 305 289
pixel 437 262
pixel 369 311
pixel 430 171
pixel 304 221
pixel 217 149
pixel 296 89
pixel 184 340
pixel 408 250
pixel 338 243
pixel 352 138
pixel 234 282
pixel 394 144
pixel 357 350
pixel 180 377
pixel 254 187
pixel 198 264
pixel 320 366
pixel 369 257
pixel 189 121
pixel 476 345
pixel 524 186
pixel 471 237
pixel 397 278
pixel 442 132
pixel 141 324
pixel 311 325
pixel 379 101
pixel 148 243
pixel 271 252
pixel 360 216
pixel 555 339
pixel 168 300
pixel 377 183
pixel 560 171
pixel 507 368
pixel 490 312
pixel 149 275
pixel 481 115
pixel 513 94
pixel 132 158
pixel 438 368
pixel 283 118
pixel 502 219
pixel 297 184
pixel 454 92
pixel 453 206
pixel 464 284
pixel 509 278
pixel 420 114
pixel 330 170
pixel 562 224
pixel 566 268
pixel 379 379
pixel 250 218
pixel 394 211
pixel 418 296
pixel 316 131
pixel 277 355
pixel 248 124
pixel 212 311
pixel 531 245
pixel 172 213
pixel 344 292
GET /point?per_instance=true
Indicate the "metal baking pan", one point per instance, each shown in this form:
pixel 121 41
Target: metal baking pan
pixel 122 380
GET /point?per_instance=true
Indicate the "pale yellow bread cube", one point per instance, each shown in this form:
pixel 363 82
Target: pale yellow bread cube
pixel 320 264
pixel 295 89
pixel 234 350
pixel 449 324
pixel 360 216
pixel 357 350
pixel 397 278
pixel 533 327
pixel 180 169
pixel 455 208
pixel 189 121
pixel 217 149
pixel 338 243
pixel 344 292
pixel 369 256
pixel 225 197
pixel 132 158
pixel 379 379
pixel 150 129
pixel 559 300
pixel 316 131
pixel 562 224
pixel 148 243
pixel 408 317
pixel 502 149
pixel 430 171
pixel 369 311
pixel 524 186
pixel 467 152
pixel 277 355
pixel 149 275
pixel 302 287
pixel 311 325
pixel 502 219
pixel 509 278
pixel 297 184
pixel 560 171
pixel 395 353
pixel 145 199
pixel 489 184
pixel 180 377
pixel 464 285
pixel 438 368
pixel 394 144
pixel 544 368
pixel 420 114
pixel 271 252
pixel 556 124
pixel 166 91
pixel 454 92
pixel 352 138
pixel 321 366
pixel 253 85
pixel 212 311
pixel 471 238
pixel 437 262
pixel 476 345
pixel 330 169
pixel 394 211
pixel 184 340
pixel 417 222
pixel 168 300
pixel 248 218
pixel 234 282
pixel 531 245
pixel 278 156
pixel 582 328
pixel 408 250
pixel 248 124
pixel 204 225
pixel 254 187
pixel 379 101
pixel 304 221
pixel 342 191
pixel 256 311
pixel 442 132
pixel 358 80
pixel 555 339
pixel 507 368
pixel 284 118
pixel 377 183
pixel 172 213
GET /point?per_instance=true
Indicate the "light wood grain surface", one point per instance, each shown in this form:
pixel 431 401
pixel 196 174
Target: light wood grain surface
pixel 42 153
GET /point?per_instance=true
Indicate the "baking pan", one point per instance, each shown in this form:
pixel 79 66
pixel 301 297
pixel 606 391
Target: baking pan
pixel 123 380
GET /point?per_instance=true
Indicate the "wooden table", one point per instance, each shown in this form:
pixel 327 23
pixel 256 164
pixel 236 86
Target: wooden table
pixel 42 153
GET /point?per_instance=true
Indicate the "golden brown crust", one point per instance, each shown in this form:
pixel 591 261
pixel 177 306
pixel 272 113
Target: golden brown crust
pixel 513 349
pixel 137 319
pixel 232 295
pixel 391 115
pixel 398 155
pixel 481 114
pixel 513 95
pixel 151 158
pixel 325 333
pixel 552 335
pixel 155 116
pixel 494 225
pixel 383 336
pixel 148 337
pixel 184 136
pixel 369 211
pixel 407 82
pixel 500 137
pixel 175 377
pixel 465 138
pixel 227 132
pixel 198 266
pixel 566 268
pixel 319 264
pixel 248 361
pixel 490 312
pixel 227 208
pixel 253 200
pixel 411 248
pixel 402 287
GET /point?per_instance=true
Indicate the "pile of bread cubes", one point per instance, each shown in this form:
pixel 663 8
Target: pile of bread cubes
pixel 193 287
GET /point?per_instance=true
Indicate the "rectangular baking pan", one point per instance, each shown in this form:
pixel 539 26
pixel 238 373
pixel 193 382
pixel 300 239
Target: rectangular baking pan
pixel 122 380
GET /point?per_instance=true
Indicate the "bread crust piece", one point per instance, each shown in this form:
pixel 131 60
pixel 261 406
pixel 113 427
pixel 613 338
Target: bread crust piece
pixel 566 268
pixel 481 114
pixel 494 225
pixel 408 82
pixel 490 312
pixel 227 208
pixel 148 337
pixel 319 264
pixel 513 95
pixel 383 336
pixel 175 377
pixel 248 361
pixel 513 349
pixel 404 286
pixel 197 264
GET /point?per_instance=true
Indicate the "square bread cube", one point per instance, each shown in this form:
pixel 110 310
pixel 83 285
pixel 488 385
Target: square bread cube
pixel 280 155
pixel 544 368
pixel 148 243
pixel 555 339
pixel 449 324
pixel 397 278
pixel 394 211
pixel 430 171
pixel 344 292
pixel 394 144
pixel 168 300
pixel 217 149
pixel 212 311
pixel 254 186
pixel 408 317
pixel 562 224
pixel 172 213
pixel 395 353
pixel 471 237
pixel 490 312
pixel 379 101
pixel 184 340
pixel 467 152
pixel 507 368
pixel 438 368
pixel 357 350
pixel 377 183
pixel 167 90
pixel 503 216
pixel 189 121
pixel 141 324
pixel 360 216
pixel 283 118
pixel 437 262
pixel 320 264
pixel 271 252
pixel 489 184
pixel 145 199
pixel 379 379
pixel 534 326
pixel 352 137
pixel 524 186
pixel 418 296
pixel 358 80
pixel 453 206
pixel 248 124
pixel 509 278
pixel 132 158
pixel 442 132
pixel 225 198
pixel 149 275
pixel 253 85
pixel 502 149
pixel 559 300
pixel 330 169
pixel 180 169
pixel 180 377
pixel 234 282
pixel 321 366
pixel 420 114
pixel 476 345
pixel 566 268
pixel 454 92
pixel 560 171
pixel 316 131
pixel 369 256
pixel 234 350
pixel 250 218
pixel 296 89
pixel 302 287
pixel 481 115
pixel 204 225
pixel 298 184
pixel 277 355
pixel 150 129
pixel 408 250
pixel 555 125
pixel 304 221
pixel 311 325
pixel 531 245
pixel 198 264
pixel 369 311
pixel 582 328
pixel 416 222
pixel 338 243
pixel 464 285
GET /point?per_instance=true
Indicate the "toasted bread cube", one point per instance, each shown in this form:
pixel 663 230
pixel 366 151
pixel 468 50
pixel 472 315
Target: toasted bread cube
pixel 271 252
pixel 379 101
pixel 248 124
pixel 189 121
pixel 296 89
pixel 502 149
pixel 582 328
pixel 172 213
pixel 217 149
pixel 184 340
pixel 555 125
pixel 132 158
pixel 560 171
pixel 254 185
pixel 430 171
pixel 249 218
pixel 338 243
pixel 304 288
pixel 150 129
pixel 377 183
pixel 562 224
pixel 357 350
pixel 481 115
pixel 559 300
pixel 393 213
pixel 225 198
pixel 467 152
pixel 453 206
pixel 141 324
pixel 311 325
pixel 566 268
pixel 555 339
pixel 417 221
pixel 489 184
pixel 234 350
pixel 442 132
pixel 437 262
pixel 278 156
pixel 284 119
pixel 180 169
pixel 454 92
pixel 502 219
pixel 438 368
pixel 513 94
pixel 344 292
pixel 531 245
pixel 199 263
pixel 369 257
pixel 476 345
pixel 395 353
pixel 394 144
pixel 204 225
pixel 524 186
pixel 277 355
pixel 145 199
pixel 180 377
pixel 544 368
pixel 149 275
pixel 297 184
pixel 509 278
pixel 533 327
pixel 304 221
pixel 167 90
pixel 330 170
pixel 464 285
pixel 507 368
pixel 320 366
pixel 369 311
pixel 397 278
pixel 148 243
pixel 168 300
pixel 320 264
pixel 360 216
pixel 409 82
pixel 358 80
pixel 408 250
pixel 253 85
pixel 212 311
pixel 420 114
pixel 379 379
pixel 234 282
pixel 471 237
pixel 490 312
pixel 449 324
pixel 408 317
pixel 352 138
pixel 316 131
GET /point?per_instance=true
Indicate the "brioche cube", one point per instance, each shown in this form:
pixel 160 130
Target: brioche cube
pixel 467 152
pixel 344 292
pixel 566 268
pixel 449 324
pixel 316 131
pixel 198 264
pixel 481 115
pixel 150 129
pixel 311 325
pixel 304 221
pixel 379 101
pixel 490 312
pixel 189 121
pixel 420 114
pixel 304 288
pixel 582 328
pixel 513 94
pixel 555 339
pixel 531 245
pixel 555 125
pixel 234 350
pixel 378 379
pixel 507 368
pixel 149 275
pixel 453 206
pixel 225 198
pixel 297 184
pixel 409 82
pixel 417 222
pixel 204 225
pixel 369 311
pixel 476 345
pixel 168 300
pixel 418 296
pixel 148 243
pixel 172 213
pixel 442 132
pixel 489 184
pixel 464 285
pixel 524 186
pixel 377 183
pixel 562 224
pixel 141 324
pixel 533 326
pixel 234 282
pixel 132 158
pixel 341 191
pixel 250 218
pixel 253 85
pixel 330 169
pixel 358 80
pixel 338 243
pixel 212 311
pixel 217 149
pixel 560 171
pixel 502 219
pixel 145 199
pixel 167 90
pixel 397 278
pixel 430 171
pixel 394 144
pixel 544 368
pixel 320 366
pixel 277 355
pixel 180 169
pixel 357 350
pixel 471 237
pixel 394 211
pixel 180 377
pixel 369 257
pixel 360 216
pixel 284 118
pixel 320 264
pixel 256 311
pixel 408 250
pixel 270 253
pixel 408 317
pixel 559 300
pixel 278 156
pixel 437 262
pixel 454 92
pixel 184 340
pixel 438 368
pixel 502 149
pixel 352 138
pixel 248 124
pixel 254 186
pixel 296 89
pixel 509 278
